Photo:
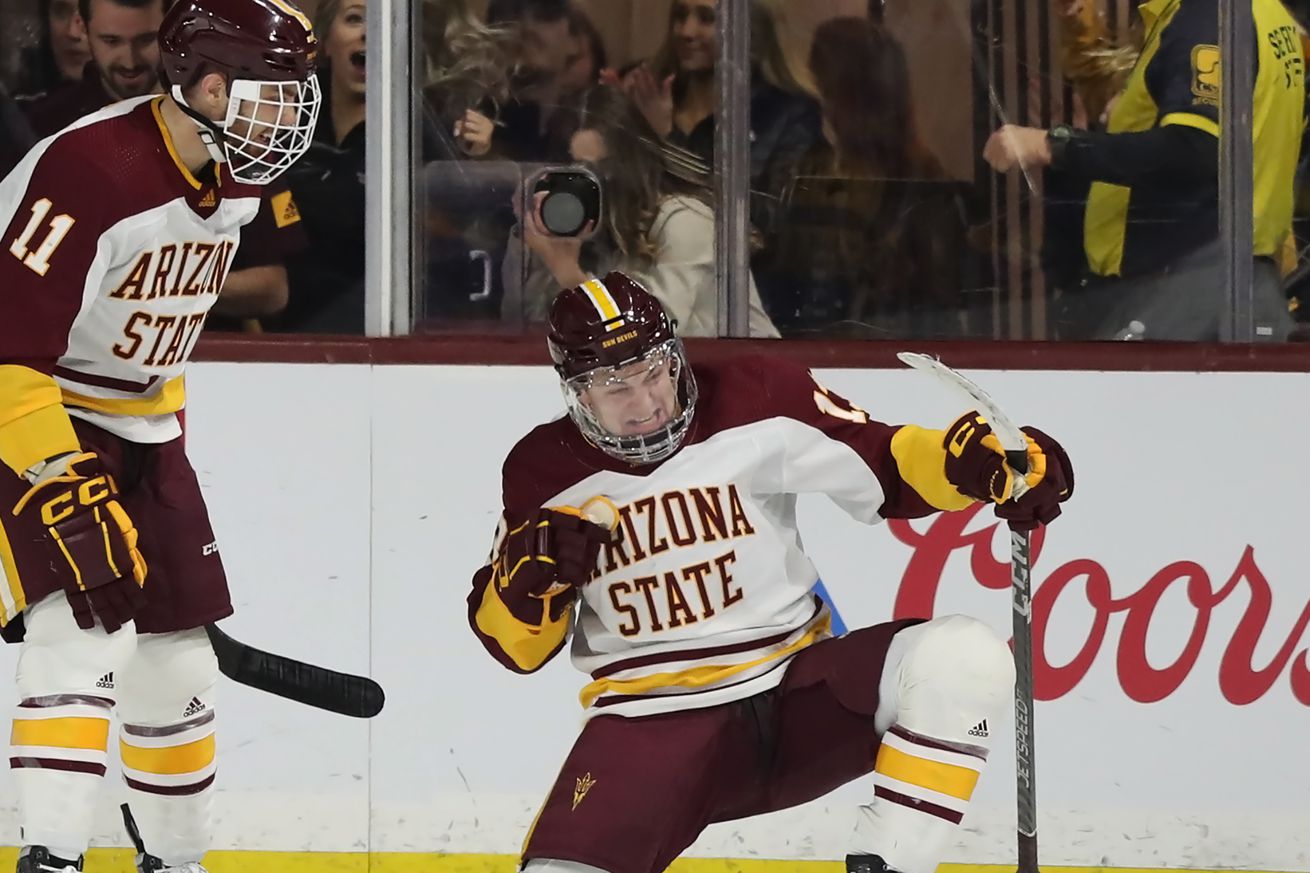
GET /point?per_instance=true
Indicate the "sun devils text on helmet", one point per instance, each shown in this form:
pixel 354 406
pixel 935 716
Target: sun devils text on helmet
pixel 611 339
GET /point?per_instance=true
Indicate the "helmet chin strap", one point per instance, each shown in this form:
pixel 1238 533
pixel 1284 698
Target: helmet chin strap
pixel 211 134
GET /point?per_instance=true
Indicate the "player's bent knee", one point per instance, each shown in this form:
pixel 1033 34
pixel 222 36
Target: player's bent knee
pixel 167 673
pixel 969 649
pixel 544 865
pixel 945 677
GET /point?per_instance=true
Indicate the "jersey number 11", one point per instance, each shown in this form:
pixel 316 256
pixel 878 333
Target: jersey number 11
pixel 39 260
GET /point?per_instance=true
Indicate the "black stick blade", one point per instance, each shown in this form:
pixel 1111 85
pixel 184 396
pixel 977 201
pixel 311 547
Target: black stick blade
pixel 342 693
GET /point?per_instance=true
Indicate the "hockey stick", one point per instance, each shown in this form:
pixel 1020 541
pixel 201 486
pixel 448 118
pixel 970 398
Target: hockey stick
pixel 344 693
pixel 1016 455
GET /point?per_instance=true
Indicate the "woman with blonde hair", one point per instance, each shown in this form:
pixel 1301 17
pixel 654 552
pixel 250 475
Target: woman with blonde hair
pixel 657 224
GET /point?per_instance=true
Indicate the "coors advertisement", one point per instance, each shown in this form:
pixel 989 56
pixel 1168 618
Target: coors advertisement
pixel 1259 653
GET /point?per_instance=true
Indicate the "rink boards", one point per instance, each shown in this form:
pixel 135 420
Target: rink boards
pixel 353 503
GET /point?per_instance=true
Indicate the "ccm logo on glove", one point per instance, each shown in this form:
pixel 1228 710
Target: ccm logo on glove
pixel 92 542
pixel 88 494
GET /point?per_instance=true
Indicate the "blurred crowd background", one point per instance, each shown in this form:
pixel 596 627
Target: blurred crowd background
pixel 888 198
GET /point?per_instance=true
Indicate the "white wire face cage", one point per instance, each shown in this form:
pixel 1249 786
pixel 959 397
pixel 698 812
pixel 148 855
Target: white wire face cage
pixel 269 125
pixel 648 448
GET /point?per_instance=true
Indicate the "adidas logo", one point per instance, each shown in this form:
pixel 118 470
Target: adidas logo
pixel 195 707
pixel 979 730
pixel 106 681
pixel 209 201
pixel 285 210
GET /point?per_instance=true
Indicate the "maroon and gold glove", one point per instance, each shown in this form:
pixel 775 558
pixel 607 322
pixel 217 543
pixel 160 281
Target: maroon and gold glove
pixel 542 560
pixel 975 465
pixel 92 542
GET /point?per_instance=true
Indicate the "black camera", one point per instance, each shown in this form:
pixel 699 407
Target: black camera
pixel 572 199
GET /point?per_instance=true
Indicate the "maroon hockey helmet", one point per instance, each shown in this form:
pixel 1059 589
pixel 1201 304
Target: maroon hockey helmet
pixel 266 51
pixel 606 326
pixel 605 323
pixel 267 40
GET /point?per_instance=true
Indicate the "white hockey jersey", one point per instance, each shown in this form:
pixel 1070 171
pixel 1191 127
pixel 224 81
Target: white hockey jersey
pixel 706 593
pixel 113 253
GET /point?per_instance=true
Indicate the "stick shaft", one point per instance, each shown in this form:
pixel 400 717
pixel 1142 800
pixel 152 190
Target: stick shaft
pixel 1024 735
pixel 1015 445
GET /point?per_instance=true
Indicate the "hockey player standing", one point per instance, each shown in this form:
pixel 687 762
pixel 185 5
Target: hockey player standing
pixel 118 233
pixel 716 689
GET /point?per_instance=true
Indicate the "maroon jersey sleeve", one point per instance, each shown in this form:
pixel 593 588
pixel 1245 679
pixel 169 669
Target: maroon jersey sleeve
pixel 275 234
pixel 837 445
pixel 538 467
pixel 52 224
pixel 52 229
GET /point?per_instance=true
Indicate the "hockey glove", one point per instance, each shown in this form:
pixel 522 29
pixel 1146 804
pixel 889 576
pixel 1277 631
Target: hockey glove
pixel 975 465
pixel 92 543
pixel 543 559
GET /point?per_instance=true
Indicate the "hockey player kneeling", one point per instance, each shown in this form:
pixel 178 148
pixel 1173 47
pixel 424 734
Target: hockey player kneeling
pixel 717 690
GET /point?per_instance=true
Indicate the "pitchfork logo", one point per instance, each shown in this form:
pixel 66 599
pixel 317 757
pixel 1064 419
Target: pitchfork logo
pixel 584 784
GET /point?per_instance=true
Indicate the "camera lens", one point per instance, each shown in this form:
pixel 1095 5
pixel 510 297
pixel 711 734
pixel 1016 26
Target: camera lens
pixel 563 213
pixel 571 202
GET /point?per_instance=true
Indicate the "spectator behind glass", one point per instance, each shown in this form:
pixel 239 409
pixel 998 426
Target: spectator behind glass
pixel 865 100
pixel 465 86
pixel 657 227
pixel 542 50
pixel 124 40
pixel 1152 255
pixel 676 92
pixel 869 240
pixel 584 66
pixel 327 279
pixel 466 80
pixel 58 58
pixel 587 55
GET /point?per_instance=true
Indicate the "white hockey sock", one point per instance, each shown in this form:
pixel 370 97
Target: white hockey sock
pixel 169 772
pixel 945 684
pixel 57 755
pixel 166 743
pixel 65 684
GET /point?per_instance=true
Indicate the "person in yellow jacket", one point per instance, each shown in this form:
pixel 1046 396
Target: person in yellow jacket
pixel 1150 226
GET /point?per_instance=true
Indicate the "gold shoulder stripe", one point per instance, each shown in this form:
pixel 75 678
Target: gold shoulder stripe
pixel 168 143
